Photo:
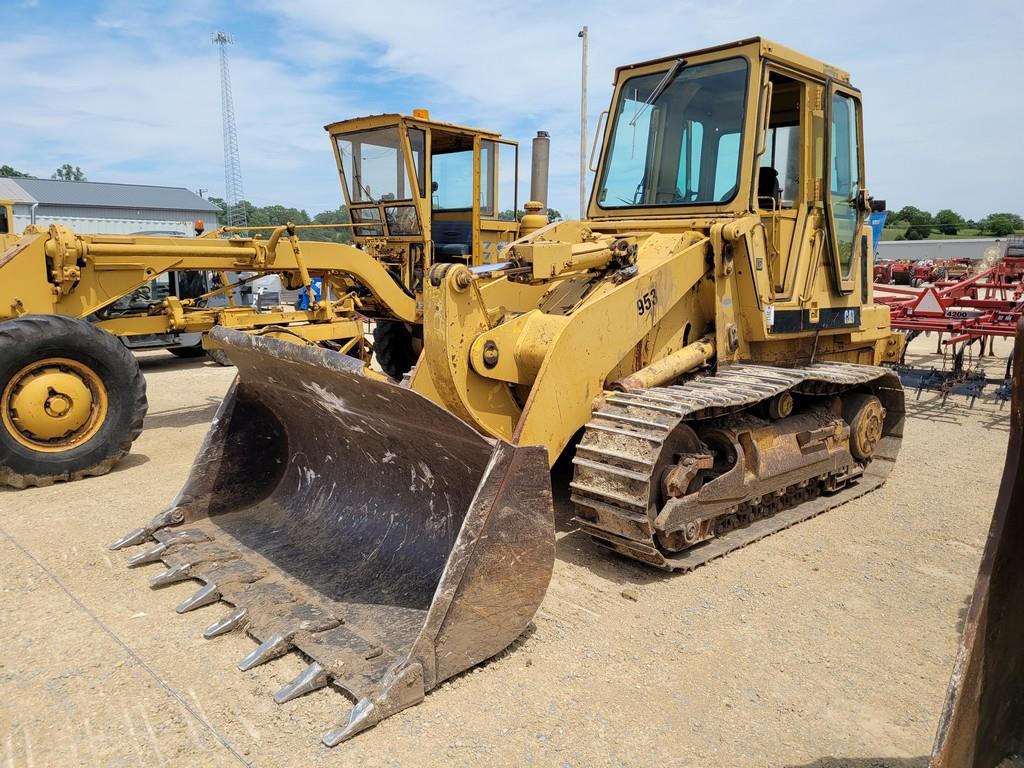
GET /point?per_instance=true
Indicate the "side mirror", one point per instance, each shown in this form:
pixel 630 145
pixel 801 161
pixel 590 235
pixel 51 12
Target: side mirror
pixel 877 206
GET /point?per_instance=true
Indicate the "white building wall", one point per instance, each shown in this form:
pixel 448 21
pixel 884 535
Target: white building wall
pixel 106 226
pixel 916 250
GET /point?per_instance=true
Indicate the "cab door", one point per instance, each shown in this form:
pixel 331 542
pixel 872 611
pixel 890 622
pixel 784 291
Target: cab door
pixel 498 198
pixel 845 196
pixel 780 192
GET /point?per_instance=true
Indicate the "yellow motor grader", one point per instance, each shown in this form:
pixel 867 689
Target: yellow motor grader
pixel 72 398
pixel 704 347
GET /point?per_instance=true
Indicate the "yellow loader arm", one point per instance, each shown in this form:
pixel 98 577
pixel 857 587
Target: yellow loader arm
pixel 59 272
pixel 508 370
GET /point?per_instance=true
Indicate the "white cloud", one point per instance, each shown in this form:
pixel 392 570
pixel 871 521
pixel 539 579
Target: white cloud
pixel 937 76
pixel 135 96
pixel 146 108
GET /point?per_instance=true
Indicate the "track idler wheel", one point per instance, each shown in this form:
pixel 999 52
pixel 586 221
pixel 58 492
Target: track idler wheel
pixel 866 417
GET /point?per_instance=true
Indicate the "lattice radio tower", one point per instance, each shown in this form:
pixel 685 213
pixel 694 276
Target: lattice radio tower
pixel 232 165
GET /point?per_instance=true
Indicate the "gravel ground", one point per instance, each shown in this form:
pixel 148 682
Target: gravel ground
pixel 829 644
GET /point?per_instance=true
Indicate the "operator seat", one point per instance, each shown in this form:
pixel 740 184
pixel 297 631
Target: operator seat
pixel 453 240
pixel 768 189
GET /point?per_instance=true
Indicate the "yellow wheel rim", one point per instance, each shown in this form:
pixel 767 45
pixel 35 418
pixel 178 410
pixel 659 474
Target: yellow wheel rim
pixel 54 405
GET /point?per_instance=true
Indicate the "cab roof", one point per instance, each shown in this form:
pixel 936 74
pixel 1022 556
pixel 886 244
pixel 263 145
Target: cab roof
pixel 768 49
pixel 393 118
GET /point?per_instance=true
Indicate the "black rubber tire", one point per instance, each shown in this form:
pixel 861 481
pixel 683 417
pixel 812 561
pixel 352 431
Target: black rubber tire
pixel 188 353
pixel 393 348
pixel 33 337
pixel 220 357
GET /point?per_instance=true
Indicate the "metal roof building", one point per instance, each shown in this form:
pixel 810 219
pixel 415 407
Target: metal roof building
pixel 96 207
pixel 957 248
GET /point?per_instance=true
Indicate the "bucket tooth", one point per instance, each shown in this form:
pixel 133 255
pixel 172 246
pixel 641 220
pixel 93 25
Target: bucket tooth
pixel 151 555
pixel 165 543
pixel 276 645
pixel 133 538
pixel 172 516
pixel 205 595
pixel 175 573
pixel 233 620
pixel 363 716
pixel 311 679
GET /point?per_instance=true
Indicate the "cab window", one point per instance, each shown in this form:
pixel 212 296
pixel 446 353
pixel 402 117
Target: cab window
pixel 844 178
pixel 373 165
pixel 676 137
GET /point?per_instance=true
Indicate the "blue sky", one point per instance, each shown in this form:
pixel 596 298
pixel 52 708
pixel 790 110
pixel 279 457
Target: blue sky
pixel 129 89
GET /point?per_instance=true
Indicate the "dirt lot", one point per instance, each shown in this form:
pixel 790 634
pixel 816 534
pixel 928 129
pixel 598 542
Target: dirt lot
pixel 829 644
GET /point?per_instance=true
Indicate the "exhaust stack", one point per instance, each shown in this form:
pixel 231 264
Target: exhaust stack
pixel 539 168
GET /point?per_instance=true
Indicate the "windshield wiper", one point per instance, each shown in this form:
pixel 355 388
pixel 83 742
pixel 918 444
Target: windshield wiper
pixel 365 190
pixel 665 82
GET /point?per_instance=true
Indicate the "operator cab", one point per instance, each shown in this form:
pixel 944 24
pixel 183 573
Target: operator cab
pixel 420 191
pixel 746 127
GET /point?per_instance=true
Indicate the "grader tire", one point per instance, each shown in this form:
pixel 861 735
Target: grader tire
pixel 72 400
pixel 187 353
pixel 393 347
pixel 219 356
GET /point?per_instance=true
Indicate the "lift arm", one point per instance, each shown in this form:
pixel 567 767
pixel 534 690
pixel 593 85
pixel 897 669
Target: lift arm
pixel 511 373
pixel 59 272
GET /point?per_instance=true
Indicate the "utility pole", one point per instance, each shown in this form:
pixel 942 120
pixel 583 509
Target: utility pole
pixel 232 165
pixel 584 34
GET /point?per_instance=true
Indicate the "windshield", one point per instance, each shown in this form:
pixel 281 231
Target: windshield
pixel 373 165
pixel 681 148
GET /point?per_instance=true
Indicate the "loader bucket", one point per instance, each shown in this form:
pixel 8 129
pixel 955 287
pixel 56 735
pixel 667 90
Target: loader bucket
pixel 982 722
pixel 358 523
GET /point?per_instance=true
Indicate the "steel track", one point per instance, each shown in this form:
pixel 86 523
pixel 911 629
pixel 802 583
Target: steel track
pixel 621 455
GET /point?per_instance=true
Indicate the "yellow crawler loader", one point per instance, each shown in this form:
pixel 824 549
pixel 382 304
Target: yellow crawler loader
pixel 72 398
pixel 704 346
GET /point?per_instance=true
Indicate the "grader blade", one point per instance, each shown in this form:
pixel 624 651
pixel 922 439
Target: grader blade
pixel 982 722
pixel 355 522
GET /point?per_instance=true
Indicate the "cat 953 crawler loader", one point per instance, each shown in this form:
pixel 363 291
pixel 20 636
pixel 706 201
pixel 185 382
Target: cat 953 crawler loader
pixel 704 346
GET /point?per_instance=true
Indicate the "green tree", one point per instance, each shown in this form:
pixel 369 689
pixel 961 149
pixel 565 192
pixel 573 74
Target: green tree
pixel 68 173
pixel 949 222
pixel 7 172
pixel 1001 224
pixel 917 232
pixel 275 215
pixel 332 234
pixel 912 215
pixel 222 204
pixel 508 215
